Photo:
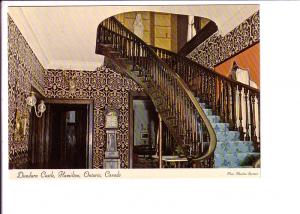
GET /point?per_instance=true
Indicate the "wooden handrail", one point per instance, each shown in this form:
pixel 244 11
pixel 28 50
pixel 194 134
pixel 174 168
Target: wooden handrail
pixel 236 103
pixel 205 68
pixel 179 99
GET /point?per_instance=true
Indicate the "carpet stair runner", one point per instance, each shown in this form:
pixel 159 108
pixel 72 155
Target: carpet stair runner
pixel 230 151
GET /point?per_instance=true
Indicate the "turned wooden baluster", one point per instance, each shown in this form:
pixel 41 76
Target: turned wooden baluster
pixel 253 127
pixel 193 125
pixel 115 37
pixel 252 116
pixel 203 86
pixel 121 47
pixel 182 112
pixel 201 91
pixel 247 137
pixel 186 119
pixel 129 49
pixel 171 83
pixel 183 106
pixel 138 54
pixel 199 87
pixel 212 90
pixel 229 113
pixel 233 106
pixel 208 95
pixel 224 102
pixel 104 36
pixel 196 133
pixel 218 96
pixel 225 87
pixel 206 89
pixel 214 106
pixel 258 113
pixel 221 91
pixel 241 129
pixel 190 121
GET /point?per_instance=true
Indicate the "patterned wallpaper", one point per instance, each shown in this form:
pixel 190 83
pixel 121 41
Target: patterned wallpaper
pixel 24 72
pixel 105 86
pixel 217 48
pixel 108 89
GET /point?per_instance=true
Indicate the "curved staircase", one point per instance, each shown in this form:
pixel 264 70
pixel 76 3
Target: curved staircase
pixel 192 103
pixel 231 151
pixel 232 108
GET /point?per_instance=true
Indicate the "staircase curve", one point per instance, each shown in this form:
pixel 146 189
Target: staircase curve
pixel 232 107
pixel 175 102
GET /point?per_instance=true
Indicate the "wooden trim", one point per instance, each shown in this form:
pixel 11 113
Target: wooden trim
pixel 208 30
pixel 68 101
pixel 174 33
pixel 133 95
pixel 160 141
pixel 90 130
pixel 131 134
pixel 90 134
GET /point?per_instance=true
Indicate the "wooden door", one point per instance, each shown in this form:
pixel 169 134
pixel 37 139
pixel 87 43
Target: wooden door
pixel 69 138
pixel 58 143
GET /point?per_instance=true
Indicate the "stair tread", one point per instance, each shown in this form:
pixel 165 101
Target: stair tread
pixel 233 147
pixel 230 150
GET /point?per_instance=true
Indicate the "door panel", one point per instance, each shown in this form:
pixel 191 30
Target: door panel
pixel 57 142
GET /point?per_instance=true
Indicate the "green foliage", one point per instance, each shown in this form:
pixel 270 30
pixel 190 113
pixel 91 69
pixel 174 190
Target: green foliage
pixel 181 150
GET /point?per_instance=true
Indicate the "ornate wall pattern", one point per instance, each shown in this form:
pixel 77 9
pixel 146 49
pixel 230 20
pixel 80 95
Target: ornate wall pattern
pixel 24 72
pixel 108 89
pixel 217 48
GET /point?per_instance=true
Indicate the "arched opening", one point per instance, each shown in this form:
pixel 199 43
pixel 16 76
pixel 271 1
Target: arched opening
pixel 166 30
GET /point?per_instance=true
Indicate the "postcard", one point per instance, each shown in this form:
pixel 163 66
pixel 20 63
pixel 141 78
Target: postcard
pixel 106 91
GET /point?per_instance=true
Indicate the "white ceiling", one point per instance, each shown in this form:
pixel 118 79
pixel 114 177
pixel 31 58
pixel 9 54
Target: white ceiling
pixel 64 37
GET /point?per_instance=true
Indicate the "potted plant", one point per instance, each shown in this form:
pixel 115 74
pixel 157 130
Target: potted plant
pixel 180 151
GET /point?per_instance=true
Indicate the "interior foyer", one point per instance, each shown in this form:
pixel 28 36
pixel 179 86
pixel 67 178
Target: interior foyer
pixel 163 97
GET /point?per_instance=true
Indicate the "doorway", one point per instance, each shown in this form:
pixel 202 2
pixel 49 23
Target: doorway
pixel 62 138
pixel 143 128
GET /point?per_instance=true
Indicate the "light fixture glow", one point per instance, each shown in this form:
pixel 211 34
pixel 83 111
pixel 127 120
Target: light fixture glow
pixel 31 101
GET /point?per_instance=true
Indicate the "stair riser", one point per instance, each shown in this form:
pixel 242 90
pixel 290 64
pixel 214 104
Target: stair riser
pixel 228 136
pixel 220 127
pixel 214 119
pixel 234 147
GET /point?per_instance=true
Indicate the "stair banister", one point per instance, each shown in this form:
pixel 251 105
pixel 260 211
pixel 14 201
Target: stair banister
pixel 162 74
pixel 223 94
